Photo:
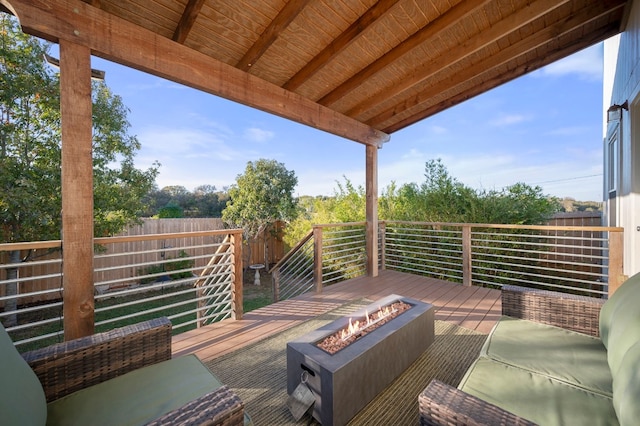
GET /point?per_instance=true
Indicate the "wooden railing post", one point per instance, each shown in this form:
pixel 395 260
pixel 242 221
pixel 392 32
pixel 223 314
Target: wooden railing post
pixel 382 230
pixel 371 210
pixel 237 280
pixel 317 258
pixel 616 255
pixel 275 282
pixel 466 256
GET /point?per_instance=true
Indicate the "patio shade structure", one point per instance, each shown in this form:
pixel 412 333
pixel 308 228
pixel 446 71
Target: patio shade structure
pixel 359 69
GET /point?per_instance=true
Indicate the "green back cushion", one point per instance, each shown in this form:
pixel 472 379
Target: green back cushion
pixel 624 324
pixel 629 289
pixel 22 400
pixel 626 388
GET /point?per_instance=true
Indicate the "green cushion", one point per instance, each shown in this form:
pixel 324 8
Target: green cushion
pixel 536 397
pixel 568 356
pixel 626 388
pixel 630 289
pixel 136 397
pixel 624 330
pixel 22 400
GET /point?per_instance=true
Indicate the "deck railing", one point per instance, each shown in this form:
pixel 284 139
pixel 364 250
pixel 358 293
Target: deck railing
pixel 194 278
pixel 574 259
pixel 326 255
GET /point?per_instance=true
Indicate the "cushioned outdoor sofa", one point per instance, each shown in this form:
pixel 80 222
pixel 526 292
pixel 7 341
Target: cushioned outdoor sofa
pixel 552 359
pixel 121 377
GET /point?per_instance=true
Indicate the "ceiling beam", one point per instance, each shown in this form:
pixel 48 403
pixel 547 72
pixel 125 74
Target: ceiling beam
pixel 123 42
pixel 188 18
pixel 539 39
pixel 340 43
pixel 474 44
pixel 271 33
pixel 555 55
pixel 444 21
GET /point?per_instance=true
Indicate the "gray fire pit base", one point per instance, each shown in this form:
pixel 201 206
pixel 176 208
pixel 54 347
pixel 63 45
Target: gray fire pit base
pixel 344 383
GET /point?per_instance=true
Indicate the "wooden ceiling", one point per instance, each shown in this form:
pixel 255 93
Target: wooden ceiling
pixel 379 65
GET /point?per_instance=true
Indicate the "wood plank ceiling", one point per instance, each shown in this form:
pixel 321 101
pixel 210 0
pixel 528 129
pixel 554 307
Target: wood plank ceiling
pixel 386 64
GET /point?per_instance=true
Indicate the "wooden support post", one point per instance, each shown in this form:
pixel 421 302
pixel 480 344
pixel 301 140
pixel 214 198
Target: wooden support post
pixel 237 279
pixel 383 244
pixel 317 258
pixel 466 256
pixel 371 232
pixel 616 256
pixel 77 189
pixel 275 281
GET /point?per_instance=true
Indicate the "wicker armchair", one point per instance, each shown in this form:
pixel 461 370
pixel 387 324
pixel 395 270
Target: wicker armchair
pixel 67 367
pixel 441 404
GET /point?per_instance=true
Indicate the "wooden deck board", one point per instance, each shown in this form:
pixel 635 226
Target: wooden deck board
pixel 471 307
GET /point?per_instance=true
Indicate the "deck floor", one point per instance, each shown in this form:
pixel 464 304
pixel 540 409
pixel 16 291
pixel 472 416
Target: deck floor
pixel 475 308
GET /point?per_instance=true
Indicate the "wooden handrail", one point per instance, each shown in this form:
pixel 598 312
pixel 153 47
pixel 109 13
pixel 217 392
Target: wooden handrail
pixel 511 226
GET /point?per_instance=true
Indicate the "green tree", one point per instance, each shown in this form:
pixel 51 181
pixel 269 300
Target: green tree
pixel 30 144
pixel 261 196
pixel 30 150
pixel 171 211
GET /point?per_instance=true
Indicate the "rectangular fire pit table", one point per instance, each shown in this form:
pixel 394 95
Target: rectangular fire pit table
pixel 345 382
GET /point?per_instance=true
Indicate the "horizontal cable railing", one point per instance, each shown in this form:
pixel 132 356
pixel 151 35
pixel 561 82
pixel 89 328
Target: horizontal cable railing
pixel 327 255
pixel 566 259
pixel 343 252
pixel 188 277
pixel 424 249
pixel 293 275
pixel 552 258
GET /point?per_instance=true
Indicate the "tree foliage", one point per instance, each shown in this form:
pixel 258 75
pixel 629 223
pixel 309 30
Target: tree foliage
pixel 440 198
pixel 30 147
pixel 203 201
pixel 261 196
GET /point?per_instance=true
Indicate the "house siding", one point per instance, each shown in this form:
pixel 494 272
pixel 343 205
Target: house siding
pixel 622 84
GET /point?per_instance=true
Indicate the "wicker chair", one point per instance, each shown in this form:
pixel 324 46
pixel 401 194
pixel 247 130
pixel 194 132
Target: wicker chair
pixel 441 404
pixel 91 362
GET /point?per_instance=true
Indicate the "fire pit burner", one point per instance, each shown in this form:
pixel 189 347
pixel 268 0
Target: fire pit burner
pixel 361 326
pixel 345 382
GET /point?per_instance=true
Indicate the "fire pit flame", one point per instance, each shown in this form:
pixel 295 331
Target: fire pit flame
pixel 355 327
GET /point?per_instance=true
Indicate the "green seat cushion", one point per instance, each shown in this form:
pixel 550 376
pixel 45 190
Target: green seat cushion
pixel 565 355
pixel 22 400
pixel 536 397
pixel 626 388
pixel 136 397
pixel 630 289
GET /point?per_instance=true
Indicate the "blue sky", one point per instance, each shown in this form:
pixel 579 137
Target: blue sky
pixel 543 129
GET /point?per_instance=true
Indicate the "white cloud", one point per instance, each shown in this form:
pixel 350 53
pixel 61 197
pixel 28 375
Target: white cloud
pixel 172 143
pixel 508 120
pixel 439 130
pixel 587 64
pixel 258 135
